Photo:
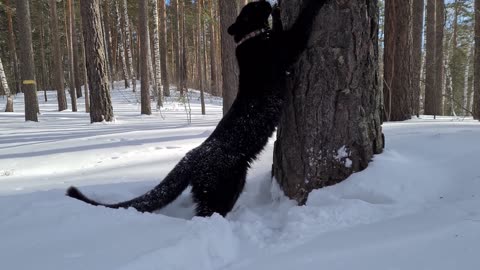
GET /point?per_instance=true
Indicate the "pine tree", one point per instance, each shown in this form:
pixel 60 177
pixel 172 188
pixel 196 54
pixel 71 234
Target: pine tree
pixel 144 72
pixel 57 58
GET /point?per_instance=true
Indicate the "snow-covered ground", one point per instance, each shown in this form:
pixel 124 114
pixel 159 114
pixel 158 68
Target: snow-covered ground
pixel 417 206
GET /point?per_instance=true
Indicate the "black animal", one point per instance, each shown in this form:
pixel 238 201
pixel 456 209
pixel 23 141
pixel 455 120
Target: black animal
pixel 217 168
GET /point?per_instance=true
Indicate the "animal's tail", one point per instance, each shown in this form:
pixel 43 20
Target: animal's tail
pixel 164 193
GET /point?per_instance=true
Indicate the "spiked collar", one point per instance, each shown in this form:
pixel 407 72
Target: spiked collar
pixel 251 35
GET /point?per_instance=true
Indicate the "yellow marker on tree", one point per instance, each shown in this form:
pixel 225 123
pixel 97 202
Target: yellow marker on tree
pixel 29 82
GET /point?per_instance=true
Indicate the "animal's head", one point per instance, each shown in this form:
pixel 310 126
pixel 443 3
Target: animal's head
pixel 254 16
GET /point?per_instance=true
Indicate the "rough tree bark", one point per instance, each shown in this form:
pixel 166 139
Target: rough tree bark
pixel 230 72
pixel 27 65
pixel 162 12
pixel 144 73
pixel 97 70
pixel 397 56
pixel 476 71
pixel 58 79
pixel 331 124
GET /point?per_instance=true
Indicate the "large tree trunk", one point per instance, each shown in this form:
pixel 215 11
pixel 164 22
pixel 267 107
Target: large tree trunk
pixel 58 79
pixel 144 72
pixel 397 68
pixel 6 89
pixel 230 72
pixel 70 36
pixel 27 65
pixel 476 72
pixel 418 8
pixel 163 47
pixel 97 70
pixel 331 124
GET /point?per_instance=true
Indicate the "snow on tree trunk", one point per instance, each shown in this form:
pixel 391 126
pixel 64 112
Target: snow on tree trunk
pixel 331 124
pixel 6 89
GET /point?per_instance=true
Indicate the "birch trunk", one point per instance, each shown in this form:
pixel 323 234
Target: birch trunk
pixel 6 89
pixel 163 47
pixel 156 54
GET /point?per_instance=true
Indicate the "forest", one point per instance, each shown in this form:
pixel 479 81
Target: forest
pixel 365 147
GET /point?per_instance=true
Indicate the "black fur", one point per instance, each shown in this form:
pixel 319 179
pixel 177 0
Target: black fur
pixel 218 167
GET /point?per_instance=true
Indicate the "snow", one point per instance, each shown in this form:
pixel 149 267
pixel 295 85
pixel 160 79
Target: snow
pixel 415 207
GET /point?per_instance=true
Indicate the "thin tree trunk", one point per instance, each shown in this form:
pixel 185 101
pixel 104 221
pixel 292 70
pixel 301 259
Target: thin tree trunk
pixel 182 47
pixel 100 102
pixel 199 53
pixel 84 69
pixel 45 83
pixel 230 73
pixel 331 123
pixel 12 49
pixel 110 55
pixel 430 87
pixel 57 58
pixel 27 65
pixel 6 89
pixel 163 47
pixel 176 41
pixel 73 92
pixel 143 31
pixel 128 45
pixel 466 82
pixel 439 64
pixel 213 53
pixel 449 97
pixel 156 54
pixel 74 33
pixel 121 49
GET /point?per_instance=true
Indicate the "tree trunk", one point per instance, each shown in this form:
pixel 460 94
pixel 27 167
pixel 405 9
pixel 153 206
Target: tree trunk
pixel 439 64
pixel 144 73
pixel 58 79
pixel 12 49
pixel 121 49
pixel 418 7
pixel 331 124
pixel 97 70
pixel 156 54
pixel 128 47
pixel 430 87
pixel 163 47
pixel 70 36
pixel 74 33
pixel 27 65
pixel 466 82
pixel 199 53
pixel 476 72
pixel 397 56
pixel 183 48
pixel 6 89
pixel 230 72
pixel 107 41
pixel 213 53
pixel 84 68
pixel 176 43
pixel 45 83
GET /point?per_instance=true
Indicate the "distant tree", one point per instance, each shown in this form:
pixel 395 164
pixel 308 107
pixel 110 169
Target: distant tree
pixel 214 87
pixel 199 53
pixel 163 46
pixel 144 72
pixel 71 52
pixel 331 124
pixel 27 65
pixel 6 89
pixel 439 55
pixel 12 48
pixel 228 14
pixel 75 48
pixel 58 79
pixel 128 47
pixel 156 53
pixel 397 61
pixel 100 102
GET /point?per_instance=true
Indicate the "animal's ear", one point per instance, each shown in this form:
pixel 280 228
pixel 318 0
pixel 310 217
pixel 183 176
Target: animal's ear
pixel 266 7
pixel 232 30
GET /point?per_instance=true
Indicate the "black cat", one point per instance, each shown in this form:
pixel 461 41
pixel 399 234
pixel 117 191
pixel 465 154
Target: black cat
pixel 218 167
